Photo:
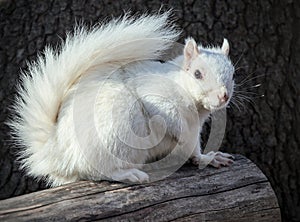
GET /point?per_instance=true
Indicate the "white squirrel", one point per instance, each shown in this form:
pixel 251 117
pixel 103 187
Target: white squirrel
pixel 90 109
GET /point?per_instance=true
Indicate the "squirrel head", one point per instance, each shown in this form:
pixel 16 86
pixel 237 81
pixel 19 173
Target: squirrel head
pixel 210 73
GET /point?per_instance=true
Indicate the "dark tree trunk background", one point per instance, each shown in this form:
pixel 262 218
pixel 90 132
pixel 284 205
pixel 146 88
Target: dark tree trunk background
pixel 264 35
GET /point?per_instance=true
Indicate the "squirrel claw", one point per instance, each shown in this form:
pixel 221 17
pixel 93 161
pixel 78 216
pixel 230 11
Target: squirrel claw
pixel 215 159
pixel 226 155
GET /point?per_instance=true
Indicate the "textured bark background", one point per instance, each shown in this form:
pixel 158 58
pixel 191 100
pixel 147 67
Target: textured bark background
pixel 265 38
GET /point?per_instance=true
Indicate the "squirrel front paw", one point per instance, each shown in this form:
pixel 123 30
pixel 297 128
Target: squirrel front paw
pixel 215 159
pixel 220 159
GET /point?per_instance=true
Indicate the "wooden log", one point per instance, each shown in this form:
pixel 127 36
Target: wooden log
pixel 240 192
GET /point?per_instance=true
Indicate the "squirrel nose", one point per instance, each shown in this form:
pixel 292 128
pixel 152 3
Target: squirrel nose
pixel 223 97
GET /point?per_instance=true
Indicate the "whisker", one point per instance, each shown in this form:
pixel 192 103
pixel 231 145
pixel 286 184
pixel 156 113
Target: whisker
pixel 241 67
pixel 240 106
pixel 242 54
pixel 233 102
pixel 247 99
pixel 238 103
pixel 255 86
pixel 246 80
pixel 245 92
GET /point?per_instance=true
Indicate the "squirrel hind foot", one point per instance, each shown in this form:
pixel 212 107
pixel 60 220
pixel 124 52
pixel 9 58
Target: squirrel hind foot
pixel 130 175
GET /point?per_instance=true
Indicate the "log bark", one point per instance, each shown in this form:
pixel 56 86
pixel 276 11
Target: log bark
pixel 240 192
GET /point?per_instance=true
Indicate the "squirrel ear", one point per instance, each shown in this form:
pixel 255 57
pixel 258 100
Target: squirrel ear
pixel 191 51
pixel 225 47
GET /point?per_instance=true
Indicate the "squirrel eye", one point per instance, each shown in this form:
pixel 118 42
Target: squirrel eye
pixel 198 74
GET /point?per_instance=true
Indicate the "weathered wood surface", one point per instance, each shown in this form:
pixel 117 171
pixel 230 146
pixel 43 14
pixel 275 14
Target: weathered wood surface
pixel 237 193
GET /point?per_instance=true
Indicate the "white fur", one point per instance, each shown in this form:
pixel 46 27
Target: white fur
pixel 72 106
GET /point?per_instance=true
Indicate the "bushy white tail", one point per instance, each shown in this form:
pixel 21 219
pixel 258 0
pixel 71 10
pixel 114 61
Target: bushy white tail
pixel 48 80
